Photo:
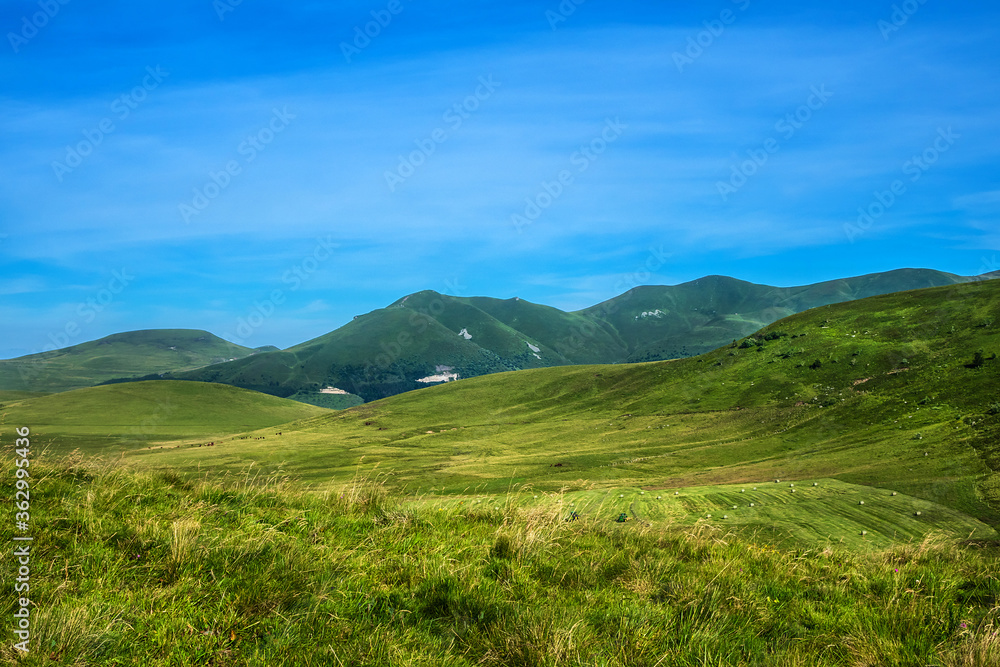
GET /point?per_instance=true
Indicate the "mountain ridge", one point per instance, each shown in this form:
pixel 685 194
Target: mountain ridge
pixel 427 334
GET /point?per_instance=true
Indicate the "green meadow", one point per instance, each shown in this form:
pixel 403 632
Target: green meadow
pixel 135 567
pixel 822 492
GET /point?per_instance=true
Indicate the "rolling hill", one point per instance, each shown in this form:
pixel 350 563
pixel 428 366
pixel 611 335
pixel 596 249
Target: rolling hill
pixel 893 392
pixel 701 315
pixel 824 491
pixel 123 355
pixel 125 416
pixel 883 393
pixel 428 335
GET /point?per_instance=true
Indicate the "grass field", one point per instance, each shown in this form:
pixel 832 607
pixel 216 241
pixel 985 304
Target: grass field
pixel 817 514
pixel 153 569
pixel 114 419
pixel 909 416
pixel 824 492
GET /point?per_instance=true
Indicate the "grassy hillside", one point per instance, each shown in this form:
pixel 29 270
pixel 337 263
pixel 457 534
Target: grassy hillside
pixel 154 570
pixel 701 315
pixel 379 354
pixel 125 355
pixel 123 417
pixel 573 337
pixel 824 492
pixel 863 399
pixel 890 394
pixel 882 393
pixel 481 327
pixel 7 396
pixel 388 350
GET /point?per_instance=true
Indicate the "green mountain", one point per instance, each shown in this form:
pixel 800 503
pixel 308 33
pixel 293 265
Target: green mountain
pixel 575 338
pixel 427 338
pixel 698 316
pixel 430 335
pixel 123 355
pixel 419 340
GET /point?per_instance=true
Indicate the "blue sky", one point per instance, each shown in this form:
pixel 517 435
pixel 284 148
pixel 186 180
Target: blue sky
pixel 186 164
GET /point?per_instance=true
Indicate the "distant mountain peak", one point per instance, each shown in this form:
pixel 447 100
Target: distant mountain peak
pixel 395 349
